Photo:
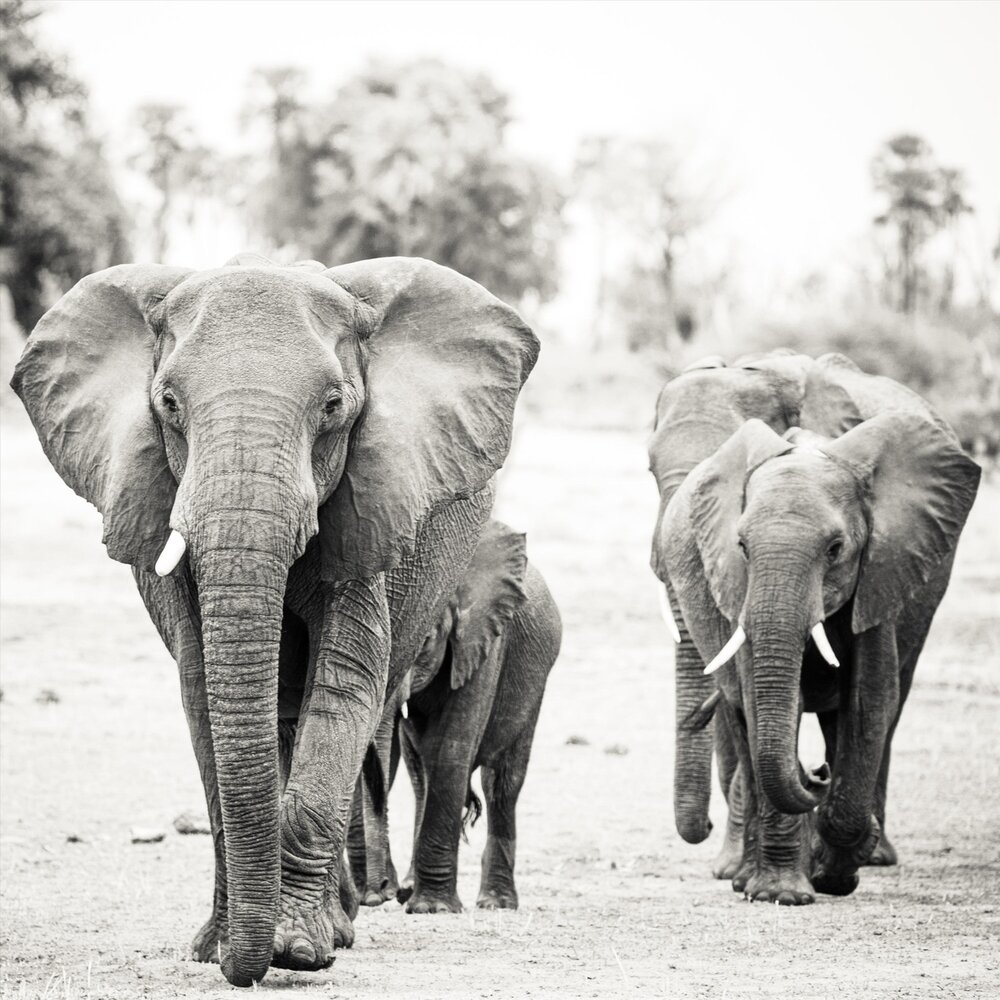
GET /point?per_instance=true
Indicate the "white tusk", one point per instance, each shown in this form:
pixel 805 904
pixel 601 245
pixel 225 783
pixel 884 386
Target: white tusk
pixel 823 645
pixel 668 615
pixel 403 711
pixel 728 651
pixel 171 555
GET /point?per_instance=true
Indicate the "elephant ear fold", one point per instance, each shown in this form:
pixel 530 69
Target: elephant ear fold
pixel 491 591
pixel 717 498
pixel 828 407
pixel 446 362
pixel 84 379
pixel 921 486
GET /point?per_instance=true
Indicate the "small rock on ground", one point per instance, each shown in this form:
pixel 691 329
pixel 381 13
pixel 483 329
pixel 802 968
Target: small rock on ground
pixel 146 835
pixel 192 822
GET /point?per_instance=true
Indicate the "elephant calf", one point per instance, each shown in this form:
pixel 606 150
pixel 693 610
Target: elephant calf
pixel 472 700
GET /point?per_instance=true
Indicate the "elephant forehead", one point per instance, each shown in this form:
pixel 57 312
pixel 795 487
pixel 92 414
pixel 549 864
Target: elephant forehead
pixel 802 478
pixel 248 302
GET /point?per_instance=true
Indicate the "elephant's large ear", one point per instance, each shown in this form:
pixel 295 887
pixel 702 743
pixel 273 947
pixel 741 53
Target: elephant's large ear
pixel 922 487
pixel 84 379
pixel 491 591
pixel 717 498
pixel 813 393
pixel 446 361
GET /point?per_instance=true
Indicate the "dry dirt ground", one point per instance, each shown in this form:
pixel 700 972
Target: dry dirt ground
pixel 614 904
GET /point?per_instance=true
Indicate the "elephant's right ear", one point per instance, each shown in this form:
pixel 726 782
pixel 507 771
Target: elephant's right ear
pixel 84 379
pixel 446 362
pixel 717 498
pixel 491 591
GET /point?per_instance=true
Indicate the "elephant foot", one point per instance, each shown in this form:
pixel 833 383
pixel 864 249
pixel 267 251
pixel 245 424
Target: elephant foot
pixel 377 895
pixel 497 899
pixel 205 946
pixel 742 876
pixel 787 888
pixel 306 940
pixel 729 860
pixel 884 854
pixel 437 902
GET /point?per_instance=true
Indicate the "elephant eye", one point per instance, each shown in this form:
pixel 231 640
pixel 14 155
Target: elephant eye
pixel 743 549
pixel 833 552
pixel 332 404
pixel 169 400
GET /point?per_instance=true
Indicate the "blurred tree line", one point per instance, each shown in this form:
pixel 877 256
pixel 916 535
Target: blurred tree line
pixel 414 158
pixel 60 215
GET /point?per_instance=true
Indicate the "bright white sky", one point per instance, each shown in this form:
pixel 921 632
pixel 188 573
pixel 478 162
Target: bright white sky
pixel 788 101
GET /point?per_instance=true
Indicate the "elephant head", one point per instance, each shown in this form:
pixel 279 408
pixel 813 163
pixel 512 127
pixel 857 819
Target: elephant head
pixel 697 413
pixel 233 414
pixel 791 529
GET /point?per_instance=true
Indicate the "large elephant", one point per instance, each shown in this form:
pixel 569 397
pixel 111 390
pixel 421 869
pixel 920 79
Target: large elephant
pixel 297 463
pixel 823 497
pixel 472 701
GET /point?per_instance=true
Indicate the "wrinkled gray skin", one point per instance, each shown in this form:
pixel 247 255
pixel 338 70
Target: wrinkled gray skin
pixel 325 442
pixel 476 691
pixel 793 492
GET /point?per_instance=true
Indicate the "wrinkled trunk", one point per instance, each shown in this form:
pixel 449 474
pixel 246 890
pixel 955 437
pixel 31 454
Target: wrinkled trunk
pixel 778 610
pixel 242 540
pixel 692 744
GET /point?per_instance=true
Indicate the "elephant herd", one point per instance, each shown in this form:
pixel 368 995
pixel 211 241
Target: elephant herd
pixel 298 464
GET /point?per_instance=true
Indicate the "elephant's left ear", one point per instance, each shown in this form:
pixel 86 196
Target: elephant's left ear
pixel 922 487
pixel 491 591
pixel 446 362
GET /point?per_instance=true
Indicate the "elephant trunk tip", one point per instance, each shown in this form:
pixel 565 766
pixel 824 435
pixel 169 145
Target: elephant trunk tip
pixel 240 976
pixel 693 829
pixel 818 779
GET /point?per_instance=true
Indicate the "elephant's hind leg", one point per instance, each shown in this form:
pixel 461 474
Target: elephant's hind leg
pixel 502 782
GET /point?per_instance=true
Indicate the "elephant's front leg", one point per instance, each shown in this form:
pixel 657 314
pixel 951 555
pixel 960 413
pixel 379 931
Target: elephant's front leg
pixel 451 736
pixel 343 704
pixel 776 846
pixel 848 828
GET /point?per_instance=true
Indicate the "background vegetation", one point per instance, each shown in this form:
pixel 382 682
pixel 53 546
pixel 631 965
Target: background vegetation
pixel 414 158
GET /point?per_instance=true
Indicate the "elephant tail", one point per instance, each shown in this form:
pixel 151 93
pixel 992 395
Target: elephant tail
pixel 473 810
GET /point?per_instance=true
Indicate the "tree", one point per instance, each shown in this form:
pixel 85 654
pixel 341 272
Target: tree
pixel 409 159
pixel 174 163
pixel 281 201
pixel 646 207
pixel 923 199
pixel 60 216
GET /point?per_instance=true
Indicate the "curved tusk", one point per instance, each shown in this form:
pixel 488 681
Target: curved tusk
pixel 171 555
pixel 823 645
pixel 728 651
pixel 668 615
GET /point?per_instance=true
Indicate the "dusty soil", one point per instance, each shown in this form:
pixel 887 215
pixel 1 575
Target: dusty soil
pixel 613 903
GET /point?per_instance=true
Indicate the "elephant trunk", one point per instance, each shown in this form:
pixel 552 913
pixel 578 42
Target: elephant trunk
pixel 240 561
pixel 777 612
pixel 692 742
